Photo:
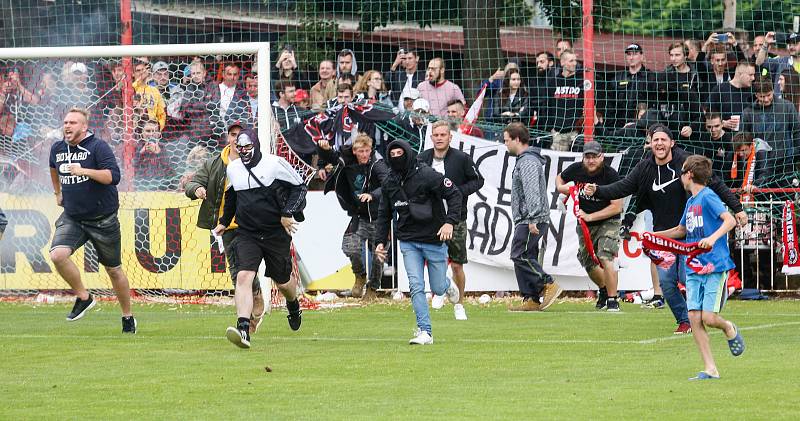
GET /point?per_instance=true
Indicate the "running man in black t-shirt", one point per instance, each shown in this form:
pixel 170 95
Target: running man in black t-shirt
pixel 602 219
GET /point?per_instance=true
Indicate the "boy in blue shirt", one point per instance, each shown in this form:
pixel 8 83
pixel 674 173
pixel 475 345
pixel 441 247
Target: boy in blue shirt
pixel 706 221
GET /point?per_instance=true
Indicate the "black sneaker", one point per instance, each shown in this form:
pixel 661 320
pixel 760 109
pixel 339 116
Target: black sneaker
pixel 295 319
pixel 80 308
pixel 129 325
pixel 602 298
pixel 239 337
pixel 612 304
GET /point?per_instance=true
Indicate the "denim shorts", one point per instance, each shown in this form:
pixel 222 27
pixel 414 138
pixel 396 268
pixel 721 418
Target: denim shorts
pixel 706 292
pixel 103 232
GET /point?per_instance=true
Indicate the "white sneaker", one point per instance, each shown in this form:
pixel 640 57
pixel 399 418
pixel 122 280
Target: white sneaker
pixel 437 302
pixel 421 338
pixel 459 312
pixel 452 292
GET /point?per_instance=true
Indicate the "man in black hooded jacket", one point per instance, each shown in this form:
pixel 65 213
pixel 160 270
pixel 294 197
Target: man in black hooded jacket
pixel 357 181
pixel 415 191
pixel 267 196
pixel 656 180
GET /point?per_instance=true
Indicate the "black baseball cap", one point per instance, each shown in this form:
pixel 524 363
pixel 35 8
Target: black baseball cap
pixel 636 48
pixel 793 38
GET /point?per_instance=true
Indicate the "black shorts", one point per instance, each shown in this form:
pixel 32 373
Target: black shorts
pixel 104 233
pixel 273 248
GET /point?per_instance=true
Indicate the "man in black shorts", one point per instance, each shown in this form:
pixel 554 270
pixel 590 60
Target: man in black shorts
pixel 267 197
pixel 85 173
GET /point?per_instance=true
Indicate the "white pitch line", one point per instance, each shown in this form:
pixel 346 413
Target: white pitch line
pixel 716 331
pixel 460 340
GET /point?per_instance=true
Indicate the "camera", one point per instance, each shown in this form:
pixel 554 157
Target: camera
pixel 722 37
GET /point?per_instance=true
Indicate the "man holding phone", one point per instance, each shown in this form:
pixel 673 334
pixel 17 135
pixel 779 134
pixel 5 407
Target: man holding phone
pixel 406 78
pixel 776 65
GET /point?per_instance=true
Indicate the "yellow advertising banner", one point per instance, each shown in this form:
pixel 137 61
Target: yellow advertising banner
pixel 161 245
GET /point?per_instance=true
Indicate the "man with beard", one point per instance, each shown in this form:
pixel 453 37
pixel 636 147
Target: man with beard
pixel 267 198
pixel 357 181
pixel 602 220
pixel 656 181
pixel 415 192
pixel 437 90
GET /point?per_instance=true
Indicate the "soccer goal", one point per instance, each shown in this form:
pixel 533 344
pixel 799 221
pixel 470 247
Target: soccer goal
pixel 163 111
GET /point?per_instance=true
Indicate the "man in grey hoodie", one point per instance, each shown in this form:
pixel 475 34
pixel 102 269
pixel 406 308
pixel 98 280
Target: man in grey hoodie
pixel 531 213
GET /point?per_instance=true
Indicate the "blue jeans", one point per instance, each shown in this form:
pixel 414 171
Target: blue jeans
pixel 668 279
pixel 415 255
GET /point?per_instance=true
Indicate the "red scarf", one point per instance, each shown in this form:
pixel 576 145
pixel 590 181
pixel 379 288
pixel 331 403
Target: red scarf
pixel 587 237
pixel 652 244
pixel 791 262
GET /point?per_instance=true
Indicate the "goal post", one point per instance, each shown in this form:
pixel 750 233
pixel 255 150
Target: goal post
pixel 162 126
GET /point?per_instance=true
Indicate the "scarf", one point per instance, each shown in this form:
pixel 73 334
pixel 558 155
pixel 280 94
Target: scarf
pixel 574 193
pixel 662 251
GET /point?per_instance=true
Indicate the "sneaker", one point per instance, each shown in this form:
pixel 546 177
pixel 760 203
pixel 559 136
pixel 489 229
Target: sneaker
pixel 421 337
pixel 437 302
pixel 656 303
pixel 129 325
pixel 602 297
pixel 527 305
pixel 452 293
pixel 683 328
pixel 258 313
pixel 80 308
pixel 459 312
pixel 612 304
pixel 551 292
pixel 238 337
pixel 295 319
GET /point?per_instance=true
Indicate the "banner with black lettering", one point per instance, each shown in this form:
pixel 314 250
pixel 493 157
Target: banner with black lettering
pixel 489 210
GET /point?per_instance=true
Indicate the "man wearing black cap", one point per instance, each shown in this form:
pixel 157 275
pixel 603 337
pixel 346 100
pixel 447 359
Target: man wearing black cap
pixel 209 184
pixel 416 192
pixel 656 182
pixel 602 221
pixel 626 89
pixel 267 197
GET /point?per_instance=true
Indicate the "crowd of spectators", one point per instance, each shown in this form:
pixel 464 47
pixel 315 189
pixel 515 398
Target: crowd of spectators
pixel 715 94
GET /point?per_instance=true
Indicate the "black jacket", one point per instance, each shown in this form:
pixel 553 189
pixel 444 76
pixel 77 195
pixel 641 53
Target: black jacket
pixel 660 187
pixel 375 172
pixel 397 81
pixel 461 170
pixel 417 199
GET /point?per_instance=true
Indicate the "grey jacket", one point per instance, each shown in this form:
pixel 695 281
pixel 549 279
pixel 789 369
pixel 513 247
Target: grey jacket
pixel 529 203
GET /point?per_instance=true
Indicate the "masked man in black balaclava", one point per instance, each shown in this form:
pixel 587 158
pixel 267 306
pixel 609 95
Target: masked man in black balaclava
pixel 267 197
pixel 415 191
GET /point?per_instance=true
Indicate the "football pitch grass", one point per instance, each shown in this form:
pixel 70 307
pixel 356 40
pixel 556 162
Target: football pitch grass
pixel 569 362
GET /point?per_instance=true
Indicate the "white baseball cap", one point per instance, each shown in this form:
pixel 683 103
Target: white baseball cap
pixel 412 93
pixel 421 104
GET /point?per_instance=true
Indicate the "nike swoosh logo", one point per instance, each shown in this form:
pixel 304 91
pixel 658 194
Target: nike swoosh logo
pixel 657 187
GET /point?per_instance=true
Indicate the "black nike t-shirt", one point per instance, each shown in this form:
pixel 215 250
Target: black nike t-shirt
pixel 577 173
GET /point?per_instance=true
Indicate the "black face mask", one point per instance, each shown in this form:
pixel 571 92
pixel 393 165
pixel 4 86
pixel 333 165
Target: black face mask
pixel 399 164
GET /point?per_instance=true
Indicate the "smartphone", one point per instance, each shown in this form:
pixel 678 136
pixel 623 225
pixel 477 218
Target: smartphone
pixel 722 37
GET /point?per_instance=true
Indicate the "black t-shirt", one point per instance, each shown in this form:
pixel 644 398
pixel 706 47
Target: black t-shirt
pixel 577 173
pixel 729 100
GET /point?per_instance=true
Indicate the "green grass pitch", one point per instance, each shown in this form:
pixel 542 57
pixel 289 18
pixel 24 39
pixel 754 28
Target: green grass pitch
pixel 355 363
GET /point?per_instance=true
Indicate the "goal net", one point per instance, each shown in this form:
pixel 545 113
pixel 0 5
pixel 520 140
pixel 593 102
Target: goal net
pixel 164 110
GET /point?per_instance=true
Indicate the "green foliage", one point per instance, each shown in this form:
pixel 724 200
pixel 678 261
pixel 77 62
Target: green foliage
pixel 566 16
pixel 698 18
pixel 314 34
